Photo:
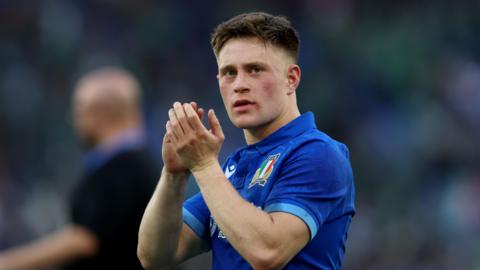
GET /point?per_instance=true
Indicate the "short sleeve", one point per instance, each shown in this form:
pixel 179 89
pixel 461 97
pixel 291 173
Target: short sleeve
pixel 312 181
pixel 196 213
pixel 197 216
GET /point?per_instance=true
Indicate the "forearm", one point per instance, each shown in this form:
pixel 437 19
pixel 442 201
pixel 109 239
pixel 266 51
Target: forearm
pixel 58 248
pixel 249 229
pixel 258 236
pixel 162 222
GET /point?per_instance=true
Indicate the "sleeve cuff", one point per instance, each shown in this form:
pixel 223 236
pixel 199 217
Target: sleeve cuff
pixel 296 211
pixel 193 223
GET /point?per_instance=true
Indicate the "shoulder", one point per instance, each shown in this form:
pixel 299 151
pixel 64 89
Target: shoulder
pixel 131 159
pixel 135 165
pixel 317 161
pixel 315 145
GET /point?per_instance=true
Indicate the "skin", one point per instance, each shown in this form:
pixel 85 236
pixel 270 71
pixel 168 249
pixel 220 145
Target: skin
pixel 105 104
pixel 261 73
pixel 267 78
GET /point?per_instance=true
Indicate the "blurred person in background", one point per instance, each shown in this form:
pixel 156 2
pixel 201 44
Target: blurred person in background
pixel 119 177
pixel 284 201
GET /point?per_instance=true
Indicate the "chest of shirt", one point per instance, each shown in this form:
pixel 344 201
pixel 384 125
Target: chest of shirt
pixel 253 175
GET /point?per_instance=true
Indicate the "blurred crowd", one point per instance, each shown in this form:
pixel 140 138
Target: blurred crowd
pixel 397 81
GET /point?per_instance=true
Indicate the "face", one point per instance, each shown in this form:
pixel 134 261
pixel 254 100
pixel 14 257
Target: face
pixel 84 118
pixel 255 81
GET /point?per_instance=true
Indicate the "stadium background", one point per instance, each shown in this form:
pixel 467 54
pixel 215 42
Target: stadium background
pixel 397 81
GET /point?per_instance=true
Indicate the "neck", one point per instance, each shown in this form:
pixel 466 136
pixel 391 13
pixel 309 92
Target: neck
pixel 113 131
pixel 254 135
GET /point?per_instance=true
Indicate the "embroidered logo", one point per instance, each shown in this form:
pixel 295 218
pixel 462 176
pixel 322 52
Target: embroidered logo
pixel 265 170
pixel 230 170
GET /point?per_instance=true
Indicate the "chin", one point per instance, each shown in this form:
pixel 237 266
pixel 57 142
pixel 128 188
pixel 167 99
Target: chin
pixel 243 125
pixel 88 143
pixel 245 122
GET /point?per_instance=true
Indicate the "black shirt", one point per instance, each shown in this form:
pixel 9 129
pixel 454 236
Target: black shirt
pixel 110 202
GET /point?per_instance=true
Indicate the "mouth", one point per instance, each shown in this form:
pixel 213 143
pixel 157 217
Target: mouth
pixel 243 105
pixel 242 102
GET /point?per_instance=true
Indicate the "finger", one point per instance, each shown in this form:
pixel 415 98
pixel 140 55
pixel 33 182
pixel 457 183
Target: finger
pixel 181 117
pixel 193 118
pixel 201 113
pixel 170 136
pixel 174 124
pixel 194 105
pixel 215 124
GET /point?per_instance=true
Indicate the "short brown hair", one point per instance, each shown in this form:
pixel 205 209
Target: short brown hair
pixel 276 30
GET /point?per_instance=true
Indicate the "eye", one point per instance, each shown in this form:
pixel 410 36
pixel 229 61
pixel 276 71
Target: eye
pixel 256 70
pixel 230 73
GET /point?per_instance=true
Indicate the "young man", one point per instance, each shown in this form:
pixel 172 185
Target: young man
pixel 119 177
pixel 283 201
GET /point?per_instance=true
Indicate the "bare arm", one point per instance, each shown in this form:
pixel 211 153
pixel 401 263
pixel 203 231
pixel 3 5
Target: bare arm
pixel 265 240
pixel 53 250
pixel 163 238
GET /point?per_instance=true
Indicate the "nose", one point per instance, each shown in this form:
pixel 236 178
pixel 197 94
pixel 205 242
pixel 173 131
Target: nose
pixel 240 84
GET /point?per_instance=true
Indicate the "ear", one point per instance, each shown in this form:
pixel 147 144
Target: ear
pixel 293 75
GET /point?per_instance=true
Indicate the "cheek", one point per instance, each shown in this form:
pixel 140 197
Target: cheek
pixel 223 91
pixel 78 123
pixel 87 124
pixel 269 88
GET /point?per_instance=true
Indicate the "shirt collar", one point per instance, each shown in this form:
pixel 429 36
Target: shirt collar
pixel 102 153
pixel 284 134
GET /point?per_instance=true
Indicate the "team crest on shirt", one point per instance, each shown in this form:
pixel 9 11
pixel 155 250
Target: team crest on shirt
pixel 265 170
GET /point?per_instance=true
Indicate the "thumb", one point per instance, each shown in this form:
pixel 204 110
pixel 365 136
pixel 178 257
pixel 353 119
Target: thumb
pixel 215 124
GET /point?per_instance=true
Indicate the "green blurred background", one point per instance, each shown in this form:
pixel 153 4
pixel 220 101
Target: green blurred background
pixel 397 81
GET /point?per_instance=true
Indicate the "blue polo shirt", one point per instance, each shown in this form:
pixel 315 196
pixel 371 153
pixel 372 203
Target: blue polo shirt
pixel 297 170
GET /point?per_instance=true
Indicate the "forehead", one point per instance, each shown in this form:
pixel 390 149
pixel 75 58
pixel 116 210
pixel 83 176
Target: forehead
pixel 84 93
pixel 87 94
pixel 247 50
pixel 103 87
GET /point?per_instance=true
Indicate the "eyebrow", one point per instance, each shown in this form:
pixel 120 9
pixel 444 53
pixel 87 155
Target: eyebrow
pixel 224 69
pixel 250 64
